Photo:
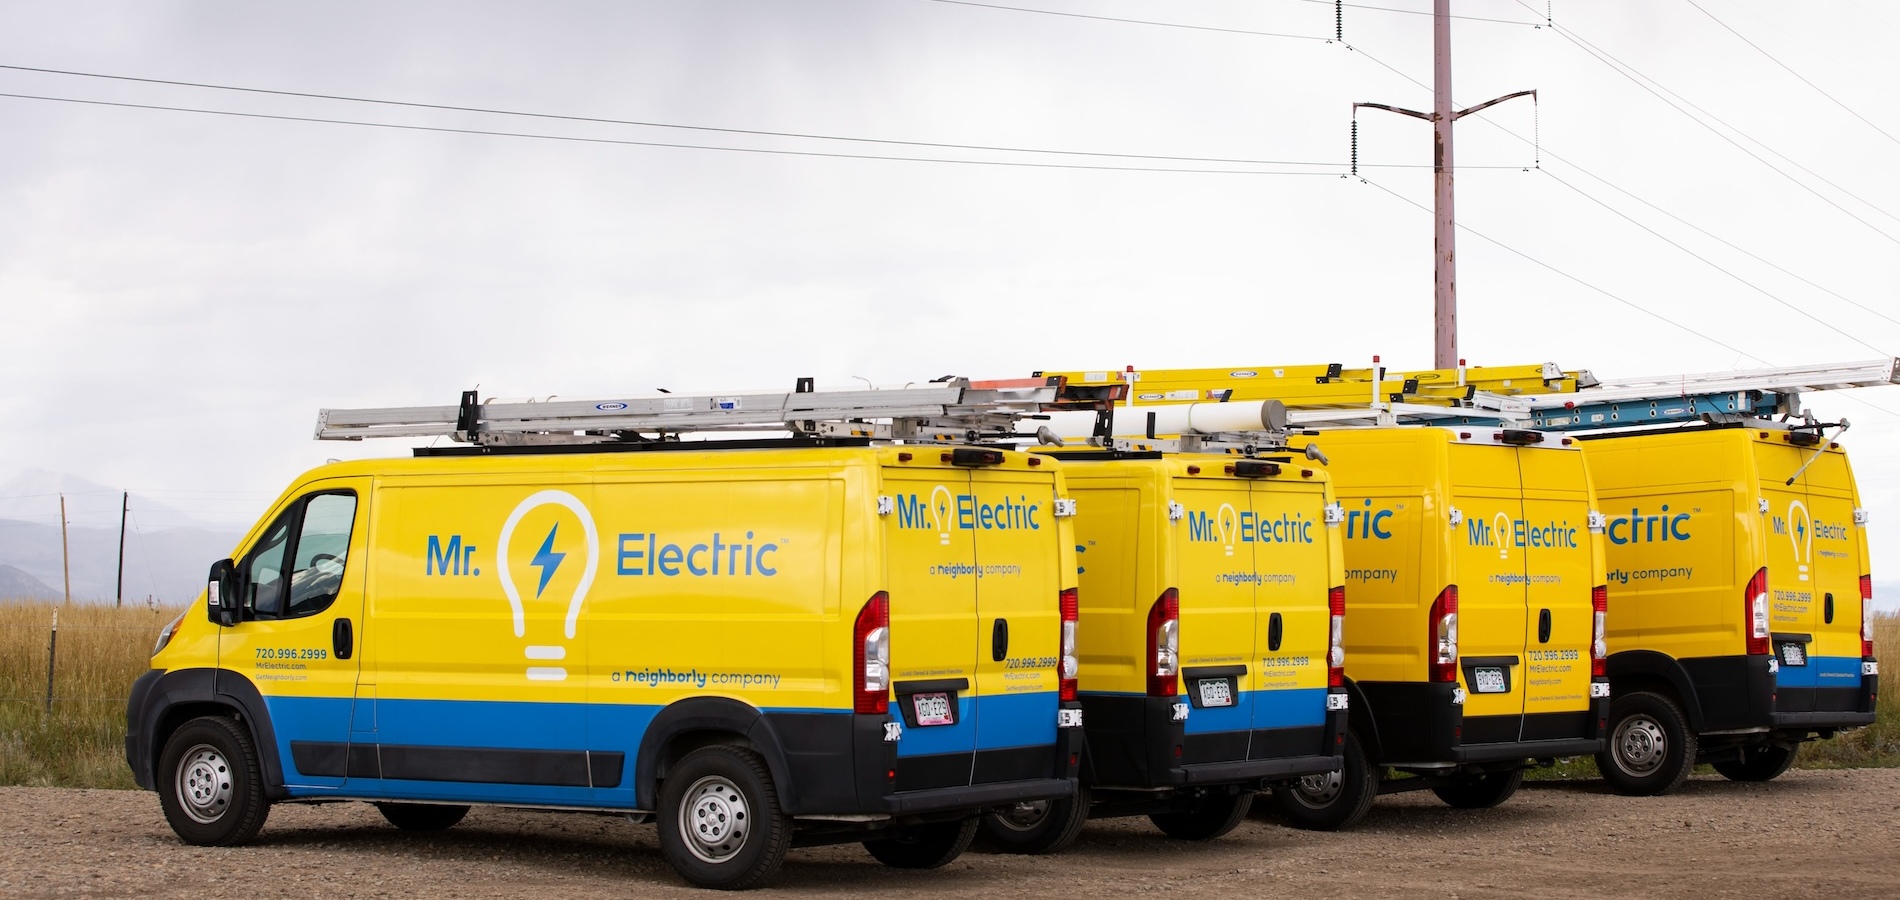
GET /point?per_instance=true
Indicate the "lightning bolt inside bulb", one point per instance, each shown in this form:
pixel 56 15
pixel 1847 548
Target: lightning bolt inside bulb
pixel 547 560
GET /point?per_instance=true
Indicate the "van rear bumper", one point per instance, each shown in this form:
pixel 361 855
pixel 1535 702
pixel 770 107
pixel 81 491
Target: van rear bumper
pixel 975 796
pixel 876 760
pixel 1421 722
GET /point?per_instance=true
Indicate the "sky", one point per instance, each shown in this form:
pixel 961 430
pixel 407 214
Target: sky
pixel 1701 185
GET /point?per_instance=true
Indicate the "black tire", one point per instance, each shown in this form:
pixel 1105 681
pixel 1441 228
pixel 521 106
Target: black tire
pixel 422 816
pixel 1044 826
pixel 1480 791
pixel 924 846
pixel 1651 749
pixel 719 818
pixel 210 784
pixel 1762 762
pixel 1335 800
pixel 1210 817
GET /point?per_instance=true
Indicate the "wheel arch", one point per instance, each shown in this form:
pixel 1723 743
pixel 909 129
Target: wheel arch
pixel 181 695
pixel 1638 670
pixel 690 724
pixel 1359 720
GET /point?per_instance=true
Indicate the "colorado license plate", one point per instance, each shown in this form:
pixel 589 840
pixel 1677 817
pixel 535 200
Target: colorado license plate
pixel 1489 680
pixel 1215 692
pixel 1794 655
pixel 933 709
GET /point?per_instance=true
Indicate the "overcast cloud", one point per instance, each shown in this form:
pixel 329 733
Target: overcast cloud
pixel 180 293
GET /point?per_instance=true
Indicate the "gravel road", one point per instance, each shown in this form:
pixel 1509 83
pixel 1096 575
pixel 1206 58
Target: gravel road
pixel 1833 834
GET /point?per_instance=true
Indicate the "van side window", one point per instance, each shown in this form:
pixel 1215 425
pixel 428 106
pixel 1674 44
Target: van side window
pixel 314 535
pixel 322 545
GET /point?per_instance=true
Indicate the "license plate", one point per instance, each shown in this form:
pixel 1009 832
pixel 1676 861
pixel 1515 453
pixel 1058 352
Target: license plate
pixel 1216 692
pixel 1489 680
pixel 933 709
pixel 1794 655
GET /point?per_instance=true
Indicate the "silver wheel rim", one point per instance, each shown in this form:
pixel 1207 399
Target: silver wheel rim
pixel 1318 791
pixel 1640 744
pixel 204 784
pixel 714 819
pixel 1024 816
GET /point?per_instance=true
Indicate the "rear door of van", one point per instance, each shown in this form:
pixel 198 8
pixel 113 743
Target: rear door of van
pixel 1561 567
pixel 932 577
pixel 1010 512
pixel 1217 565
pixel 1493 618
pixel 1837 560
pixel 1292 618
pixel 1793 598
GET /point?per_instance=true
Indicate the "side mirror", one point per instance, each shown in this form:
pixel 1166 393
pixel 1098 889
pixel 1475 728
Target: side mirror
pixel 221 595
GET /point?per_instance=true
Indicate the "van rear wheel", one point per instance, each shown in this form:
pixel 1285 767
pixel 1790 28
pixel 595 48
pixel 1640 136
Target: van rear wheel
pixel 1480 791
pixel 924 846
pixel 1040 826
pixel 1332 800
pixel 422 816
pixel 210 785
pixel 1651 749
pixel 1208 818
pixel 1763 762
pixel 720 824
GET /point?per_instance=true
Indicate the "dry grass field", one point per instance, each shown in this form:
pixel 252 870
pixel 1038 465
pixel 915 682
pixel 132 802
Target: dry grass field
pixel 79 740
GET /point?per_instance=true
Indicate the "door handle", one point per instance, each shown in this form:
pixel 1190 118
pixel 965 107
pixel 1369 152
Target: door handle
pixel 342 639
pixel 1275 630
pixel 999 640
pixel 1827 608
pixel 1543 627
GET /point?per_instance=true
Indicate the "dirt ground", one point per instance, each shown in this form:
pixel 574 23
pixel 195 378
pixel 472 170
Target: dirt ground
pixel 1832 834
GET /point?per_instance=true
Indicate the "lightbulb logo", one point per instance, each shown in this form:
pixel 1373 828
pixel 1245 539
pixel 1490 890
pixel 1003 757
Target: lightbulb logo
pixel 1801 535
pixel 1501 524
pixel 940 501
pixel 1228 521
pixel 548 561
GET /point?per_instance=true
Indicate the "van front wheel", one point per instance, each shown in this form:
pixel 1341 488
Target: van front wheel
pixel 720 824
pixel 1651 749
pixel 1042 826
pixel 1480 791
pixel 1332 800
pixel 210 784
pixel 1764 762
pixel 924 846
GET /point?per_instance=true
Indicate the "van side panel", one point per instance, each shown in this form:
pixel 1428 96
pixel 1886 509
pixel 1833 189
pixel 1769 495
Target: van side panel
pixel 1117 525
pixel 721 585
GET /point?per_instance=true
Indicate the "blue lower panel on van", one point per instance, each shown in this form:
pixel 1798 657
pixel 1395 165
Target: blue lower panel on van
pixel 1261 709
pixel 1821 672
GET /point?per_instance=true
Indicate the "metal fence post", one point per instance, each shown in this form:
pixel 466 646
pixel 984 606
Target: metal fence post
pixel 52 657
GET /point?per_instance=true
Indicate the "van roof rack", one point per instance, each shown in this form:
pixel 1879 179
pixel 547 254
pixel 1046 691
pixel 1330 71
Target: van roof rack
pixel 948 410
pixel 1542 396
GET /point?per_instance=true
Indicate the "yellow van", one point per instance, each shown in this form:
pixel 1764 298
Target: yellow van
pixel 750 646
pixel 1477 614
pixel 1739 590
pixel 1209 641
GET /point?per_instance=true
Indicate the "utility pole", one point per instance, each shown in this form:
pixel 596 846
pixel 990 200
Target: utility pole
pixel 65 550
pixel 125 506
pixel 1444 259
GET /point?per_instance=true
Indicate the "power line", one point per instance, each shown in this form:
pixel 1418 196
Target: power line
pixel 1070 15
pixel 1421 12
pixel 1764 292
pixel 1785 67
pixel 597 120
pixel 628 143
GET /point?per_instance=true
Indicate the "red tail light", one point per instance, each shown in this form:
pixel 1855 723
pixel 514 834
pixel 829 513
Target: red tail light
pixel 871 655
pixel 1336 653
pixel 1068 665
pixel 1441 638
pixel 1755 613
pixel 1599 644
pixel 1164 644
pixel 1867 616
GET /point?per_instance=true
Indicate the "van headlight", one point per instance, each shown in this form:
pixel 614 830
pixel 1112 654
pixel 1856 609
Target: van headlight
pixel 165 636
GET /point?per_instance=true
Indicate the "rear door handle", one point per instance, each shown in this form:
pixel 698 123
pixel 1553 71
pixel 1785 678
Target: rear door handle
pixel 1543 627
pixel 342 639
pixel 999 640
